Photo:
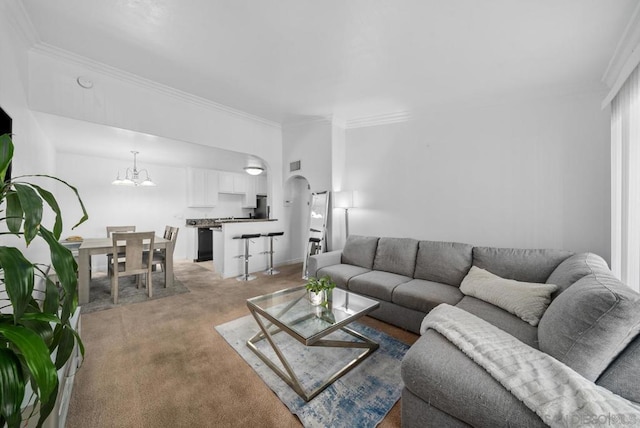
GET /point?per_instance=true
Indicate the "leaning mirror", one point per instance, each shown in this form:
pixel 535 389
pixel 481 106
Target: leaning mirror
pixel 317 234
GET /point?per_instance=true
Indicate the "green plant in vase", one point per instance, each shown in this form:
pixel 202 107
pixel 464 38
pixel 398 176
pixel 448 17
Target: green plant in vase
pixel 319 288
pixel 36 336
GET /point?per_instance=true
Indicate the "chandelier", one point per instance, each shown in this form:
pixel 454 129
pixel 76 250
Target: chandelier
pixel 132 176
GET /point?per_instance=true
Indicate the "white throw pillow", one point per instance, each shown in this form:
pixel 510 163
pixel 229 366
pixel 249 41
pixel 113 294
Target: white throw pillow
pixel 526 300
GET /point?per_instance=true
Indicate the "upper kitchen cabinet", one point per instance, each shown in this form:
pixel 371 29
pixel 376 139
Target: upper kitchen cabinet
pixel 231 182
pixel 202 187
pixel 249 200
pixel 261 185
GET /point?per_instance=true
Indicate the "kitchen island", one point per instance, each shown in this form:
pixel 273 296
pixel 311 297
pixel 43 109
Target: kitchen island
pixel 228 252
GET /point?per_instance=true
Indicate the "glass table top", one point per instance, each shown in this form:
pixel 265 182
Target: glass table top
pixel 291 309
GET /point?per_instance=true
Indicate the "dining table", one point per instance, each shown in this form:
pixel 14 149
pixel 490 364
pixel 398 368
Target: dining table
pixel 94 246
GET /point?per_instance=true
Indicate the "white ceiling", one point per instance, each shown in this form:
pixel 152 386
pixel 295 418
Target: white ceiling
pixel 282 59
pixel 71 135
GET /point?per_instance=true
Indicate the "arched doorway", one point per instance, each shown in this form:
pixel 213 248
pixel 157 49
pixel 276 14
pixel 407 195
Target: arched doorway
pixel 297 197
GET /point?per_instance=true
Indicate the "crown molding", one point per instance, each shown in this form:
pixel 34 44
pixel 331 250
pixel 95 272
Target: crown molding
pixel 625 58
pixel 305 121
pixel 99 67
pixel 19 19
pixel 380 119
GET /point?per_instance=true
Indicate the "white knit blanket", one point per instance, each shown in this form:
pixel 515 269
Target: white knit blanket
pixel 556 393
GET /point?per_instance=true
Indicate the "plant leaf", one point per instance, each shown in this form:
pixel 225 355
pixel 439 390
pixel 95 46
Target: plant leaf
pixel 47 408
pixel 14 212
pixel 36 356
pixel 41 328
pixel 6 154
pixel 51 201
pixel 18 279
pixel 85 216
pixel 32 207
pixel 66 268
pixel 65 346
pixel 11 387
pixel 52 297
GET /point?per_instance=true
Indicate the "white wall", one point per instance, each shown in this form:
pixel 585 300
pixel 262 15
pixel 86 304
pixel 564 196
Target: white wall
pixel 532 174
pixel 33 152
pixel 310 143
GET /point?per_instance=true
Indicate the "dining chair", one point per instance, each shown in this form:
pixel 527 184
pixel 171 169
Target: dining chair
pixel 160 255
pixel 111 230
pixel 135 262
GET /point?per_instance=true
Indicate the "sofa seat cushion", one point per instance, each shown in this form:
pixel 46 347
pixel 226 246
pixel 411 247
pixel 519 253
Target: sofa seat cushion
pixel 440 374
pixel 519 264
pixel 574 268
pixel 445 262
pixel 502 319
pixel 396 255
pixel 377 284
pixel 341 274
pixel 360 251
pixel 590 323
pixel 423 296
pixel 621 377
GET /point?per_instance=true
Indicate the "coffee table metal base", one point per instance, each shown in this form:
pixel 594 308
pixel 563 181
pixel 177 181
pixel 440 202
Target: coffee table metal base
pixel 290 377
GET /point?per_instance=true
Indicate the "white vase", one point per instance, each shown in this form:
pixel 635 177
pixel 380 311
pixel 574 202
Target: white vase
pixel 316 298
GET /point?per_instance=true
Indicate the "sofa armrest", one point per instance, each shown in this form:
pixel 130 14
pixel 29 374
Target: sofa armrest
pixel 321 260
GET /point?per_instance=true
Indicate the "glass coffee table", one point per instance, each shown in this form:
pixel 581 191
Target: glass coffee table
pixel 291 312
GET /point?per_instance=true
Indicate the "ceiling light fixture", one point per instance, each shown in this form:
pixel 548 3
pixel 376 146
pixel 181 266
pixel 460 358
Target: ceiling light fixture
pixel 254 170
pixel 132 176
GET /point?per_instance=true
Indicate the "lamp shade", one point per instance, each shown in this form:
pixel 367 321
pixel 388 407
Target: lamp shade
pixel 343 199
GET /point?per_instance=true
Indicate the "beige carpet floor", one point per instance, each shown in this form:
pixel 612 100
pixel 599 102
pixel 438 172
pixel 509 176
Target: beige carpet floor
pixel 160 363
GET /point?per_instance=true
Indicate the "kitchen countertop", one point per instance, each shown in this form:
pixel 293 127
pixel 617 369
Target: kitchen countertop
pixel 216 222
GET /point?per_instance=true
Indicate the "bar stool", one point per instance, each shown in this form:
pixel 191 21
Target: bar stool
pixel 246 255
pixel 314 246
pixel 270 270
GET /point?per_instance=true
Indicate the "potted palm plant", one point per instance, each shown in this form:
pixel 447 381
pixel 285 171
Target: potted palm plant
pixel 319 288
pixel 36 336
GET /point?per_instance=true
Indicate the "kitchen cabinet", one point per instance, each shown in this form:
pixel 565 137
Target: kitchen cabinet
pixel 226 182
pixel 202 187
pixel 249 199
pixel 231 182
pixel 261 185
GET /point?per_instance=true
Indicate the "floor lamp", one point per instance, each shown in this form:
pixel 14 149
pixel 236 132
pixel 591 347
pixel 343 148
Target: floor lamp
pixel 344 199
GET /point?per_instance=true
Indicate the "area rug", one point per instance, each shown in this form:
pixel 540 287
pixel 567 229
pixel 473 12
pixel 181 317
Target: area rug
pixel 361 398
pixel 100 291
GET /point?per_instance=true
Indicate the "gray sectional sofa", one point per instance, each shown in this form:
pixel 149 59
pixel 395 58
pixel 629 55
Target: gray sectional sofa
pixel 591 324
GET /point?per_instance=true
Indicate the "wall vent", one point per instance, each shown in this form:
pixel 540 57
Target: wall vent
pixel 294 166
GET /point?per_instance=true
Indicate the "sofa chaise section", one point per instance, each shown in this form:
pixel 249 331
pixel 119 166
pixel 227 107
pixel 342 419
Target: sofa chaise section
pixel 591 326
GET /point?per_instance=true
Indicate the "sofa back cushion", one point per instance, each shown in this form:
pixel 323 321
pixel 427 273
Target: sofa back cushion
pixel 621 377
pixel 396 255
pixel 519 264
pixel 444 262
pixel 590 323
pixel 574 268
pixel 360 251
